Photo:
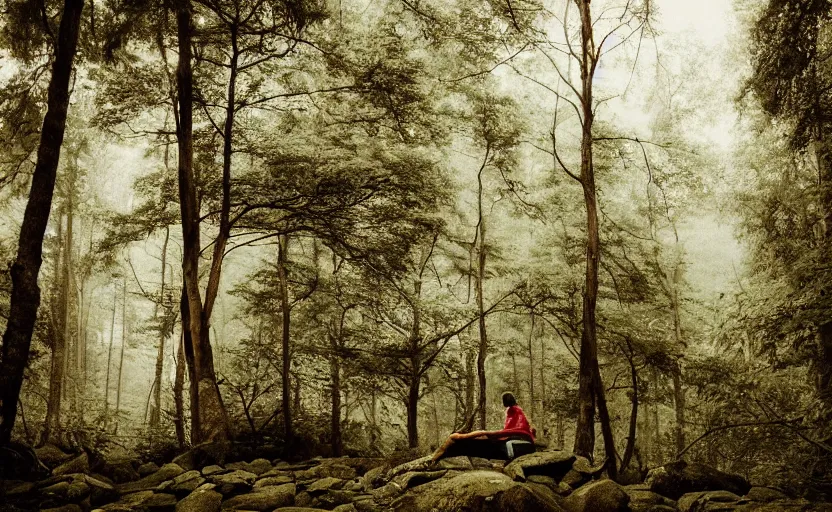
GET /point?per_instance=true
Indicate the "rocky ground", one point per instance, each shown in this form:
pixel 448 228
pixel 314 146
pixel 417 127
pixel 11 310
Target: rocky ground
pixel 548 481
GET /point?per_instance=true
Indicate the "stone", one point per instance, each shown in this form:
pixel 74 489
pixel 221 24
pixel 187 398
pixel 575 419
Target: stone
pixel 166 472
pixel 324 484
pixel 234 482
pixel 203 455
pixel 100 492
pixel 79 464
pixel 421 464
pixel 600 496
pixel 120 471
pixel 679 478
pixel 201 500
pixel 765 494
pixel 132 501
pixel 148 468
pixel 51 455
pixel 263 499
pixel 66 508
pixel 212 470
pixel 333 498
pixel 348 507
pixel 303 499
pixel 77 491
pixel 546 480
pixel 272 480
pixel 259 466
pixel 473 490
pixel 15 488
pixel 186 483
pixel 643 500
pixel 59 489
pixel 373 478
pixel 161 502
pixel 550 463
pixel 698 501
pixel 462 462
pixel 416 478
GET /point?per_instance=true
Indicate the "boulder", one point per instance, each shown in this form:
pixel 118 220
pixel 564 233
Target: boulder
pixel 272 480
pixel 51 455
pixel 323 485
pixel 148 468
pixel 203 455
pixel 119 471
pixel 473 491
pixel 461 462
pixel 66 508
pixel 259 466
pixel 263 499
pixel 166 472
pixel 600 496
pixel 186 483
pixel 233 483
pixel 765 494
pixel 679 478
pixel 551 463
pixel 79 464
pixel 698 501
pixel 100 492
pixel 415 478
pixel 643 500
pixel 201 500
pixel 161 502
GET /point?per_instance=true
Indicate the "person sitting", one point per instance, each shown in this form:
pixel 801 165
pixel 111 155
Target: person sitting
pixel 516 438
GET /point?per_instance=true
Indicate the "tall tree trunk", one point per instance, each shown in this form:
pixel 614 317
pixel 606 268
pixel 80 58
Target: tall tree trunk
pixel 25 296
pixel 208 413
pixel 678 389
pixel 413 409
pixel 335 391
pixel 57 332
pixel 483 346
pixel 123 344
pixel 532 407
pixel 282 259
pixel 470 383
pixel 110 357
pixel 591 391
pixel 71 342
pixel 178 388
pixel 155 413
pixel 631 434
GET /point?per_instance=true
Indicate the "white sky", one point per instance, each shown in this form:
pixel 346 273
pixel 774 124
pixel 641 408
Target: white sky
pixel 710 20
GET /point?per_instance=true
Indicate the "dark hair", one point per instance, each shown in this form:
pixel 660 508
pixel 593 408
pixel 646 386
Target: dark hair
pixel 508 399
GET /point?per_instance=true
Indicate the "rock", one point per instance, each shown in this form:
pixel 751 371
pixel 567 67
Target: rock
pixel 333 498
pixel 600 496
pixel 698 501
pixel 14 488
pixel 203 455
pixel 643 500
pixel 129 502
pixel 548 481
pixel 297 509
pixel 51 455
pixel 161 502
pixel 79 464
pixel 166 472
pixel 373 478
pixel 584 467
pixel 323 485
pixel 765 494
pixel 59 489
pixel 78 490
pixel 522 498
pixel 413 479
pixel 420 464
pixel 339 471
pixel 574 478
pixel 233 483
pixel 212 470
pixel 186 483
pixel 66 508
pixel 265 498
pixel 259 466
pixel 100 492
pixel 303 499
pixel 461 462
pixel 272 480
pixel 679 478
pixel 473 490
pixel 349 507
pixel 120 471
pixel 553 463
pixel 201 500
pixel 148 468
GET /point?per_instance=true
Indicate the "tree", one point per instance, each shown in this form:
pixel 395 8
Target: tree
pixel 25 297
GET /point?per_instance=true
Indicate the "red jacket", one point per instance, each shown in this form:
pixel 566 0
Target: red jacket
pixel 517 423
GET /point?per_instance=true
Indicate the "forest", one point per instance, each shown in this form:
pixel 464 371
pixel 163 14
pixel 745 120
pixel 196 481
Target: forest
pixel 306 240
